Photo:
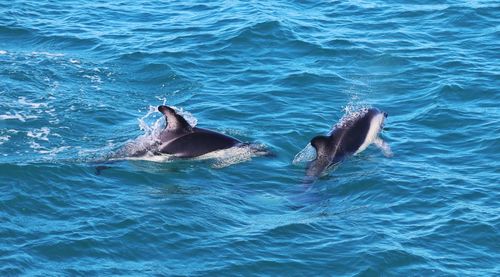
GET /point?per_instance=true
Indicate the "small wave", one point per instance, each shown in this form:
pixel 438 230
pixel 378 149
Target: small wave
pixel 134 56
pixel 14 31
pixel 40 134
pixel 17 116
pixel 54 151
pixel 47 54
pixel 266 28
pixel 22 100
pixel 66 42
pixel 95 79
pixel 454 91
pixel 256 34
pixel 4 139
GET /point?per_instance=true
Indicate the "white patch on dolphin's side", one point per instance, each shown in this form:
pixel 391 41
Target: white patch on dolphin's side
pixel 162 158
pixel 221 158
pixel 375 126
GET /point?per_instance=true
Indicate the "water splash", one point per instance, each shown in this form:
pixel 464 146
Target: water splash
pixel 350 114
pixel 151 125
pixel 307 154
pixel 384 147
pixel 235 155
pixel 189 117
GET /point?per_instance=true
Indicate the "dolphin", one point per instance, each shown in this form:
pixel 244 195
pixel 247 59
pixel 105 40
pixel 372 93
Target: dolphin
pixel 180 139
pixel 349 137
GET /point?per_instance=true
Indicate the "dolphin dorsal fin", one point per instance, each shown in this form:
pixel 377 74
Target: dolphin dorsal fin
pixel 175 122
pixel 320 143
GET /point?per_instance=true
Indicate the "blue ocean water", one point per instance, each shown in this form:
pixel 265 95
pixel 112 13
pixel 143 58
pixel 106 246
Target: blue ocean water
pixel 79 79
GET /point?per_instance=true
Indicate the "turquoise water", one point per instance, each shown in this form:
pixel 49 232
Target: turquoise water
pixel 78 80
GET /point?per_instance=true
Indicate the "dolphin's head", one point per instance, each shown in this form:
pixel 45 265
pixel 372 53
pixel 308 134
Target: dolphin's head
pixel 381 115
pixel 377 116
pixel 383 120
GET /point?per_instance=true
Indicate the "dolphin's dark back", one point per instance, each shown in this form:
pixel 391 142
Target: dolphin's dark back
pixel 197 143
pixel 184 141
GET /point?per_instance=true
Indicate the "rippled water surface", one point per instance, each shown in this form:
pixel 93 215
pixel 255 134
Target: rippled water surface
pixel 79 79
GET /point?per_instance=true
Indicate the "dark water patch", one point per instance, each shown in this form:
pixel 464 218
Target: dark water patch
pixel 14 31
